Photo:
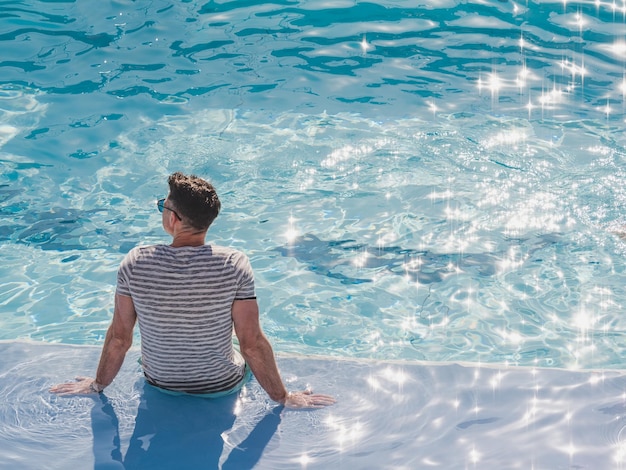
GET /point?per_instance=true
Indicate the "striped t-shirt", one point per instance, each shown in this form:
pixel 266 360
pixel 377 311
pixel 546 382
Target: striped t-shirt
pixel 183 298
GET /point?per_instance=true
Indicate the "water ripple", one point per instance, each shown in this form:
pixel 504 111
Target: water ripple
pixel 377 54
pixel 449 177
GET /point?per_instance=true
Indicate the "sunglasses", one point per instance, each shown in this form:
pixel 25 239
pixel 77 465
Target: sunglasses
pixel 161 206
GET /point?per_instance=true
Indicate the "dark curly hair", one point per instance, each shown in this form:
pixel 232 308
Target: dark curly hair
pixel 194 199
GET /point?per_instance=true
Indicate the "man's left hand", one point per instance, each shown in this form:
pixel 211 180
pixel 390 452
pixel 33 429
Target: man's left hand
pixel 308 399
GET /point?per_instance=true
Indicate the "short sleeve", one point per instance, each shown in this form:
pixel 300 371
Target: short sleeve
pixel 124 273
pixel 244 276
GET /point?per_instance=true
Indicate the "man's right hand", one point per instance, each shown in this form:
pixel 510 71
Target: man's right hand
pixel 82 386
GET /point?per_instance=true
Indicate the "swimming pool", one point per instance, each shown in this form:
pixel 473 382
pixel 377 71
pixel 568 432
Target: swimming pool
pixel 438 182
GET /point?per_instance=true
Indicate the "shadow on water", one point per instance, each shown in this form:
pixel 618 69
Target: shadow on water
pixel 177 432
pixel 57 228
pixel 330 258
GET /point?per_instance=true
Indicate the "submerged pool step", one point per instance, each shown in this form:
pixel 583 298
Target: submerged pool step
pixel 388 415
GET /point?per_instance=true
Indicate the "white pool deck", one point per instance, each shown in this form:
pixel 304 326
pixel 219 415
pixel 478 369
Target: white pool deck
pixel 388 415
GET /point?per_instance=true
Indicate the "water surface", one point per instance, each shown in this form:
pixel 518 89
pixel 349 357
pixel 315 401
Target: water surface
pixel 432 180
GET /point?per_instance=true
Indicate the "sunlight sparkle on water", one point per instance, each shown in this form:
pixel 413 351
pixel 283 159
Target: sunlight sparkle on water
pixel 397 376
pixel 348 433
pixel 447 194
pixel 365 45
pixel 360 260
pixel 620 453
pixel 551 97
pixel 510 137
pixel 618 48
pixel 522 78
pixel 291 233
pixel 575 70
pixel 511 261
pixel 584 321
pixel 579 21
pixel 304 460
pixel 493 83
pixel 496 380
pixel 512 337
pixel 350 153
pixel 474 456
pixel 374 383
pixel 596 379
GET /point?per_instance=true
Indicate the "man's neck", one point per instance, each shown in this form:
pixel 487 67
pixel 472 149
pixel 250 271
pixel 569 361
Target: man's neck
pixel 188 239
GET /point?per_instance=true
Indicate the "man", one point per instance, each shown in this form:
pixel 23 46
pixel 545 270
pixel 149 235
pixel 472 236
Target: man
pixel 187 297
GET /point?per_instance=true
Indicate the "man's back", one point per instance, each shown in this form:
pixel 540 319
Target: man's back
pixel 183 298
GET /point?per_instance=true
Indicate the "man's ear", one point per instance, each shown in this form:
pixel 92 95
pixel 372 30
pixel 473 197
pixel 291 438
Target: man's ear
pixel 173 218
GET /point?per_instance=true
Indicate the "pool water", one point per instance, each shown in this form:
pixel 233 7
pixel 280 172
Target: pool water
pixel 441 181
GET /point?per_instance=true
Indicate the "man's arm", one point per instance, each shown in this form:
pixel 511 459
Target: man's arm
pixel 118 340
pixel 259 356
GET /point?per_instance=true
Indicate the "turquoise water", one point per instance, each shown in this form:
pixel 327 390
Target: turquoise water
pixel 434 180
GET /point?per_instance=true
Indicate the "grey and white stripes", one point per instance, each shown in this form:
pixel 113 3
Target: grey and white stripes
pixel 183 298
